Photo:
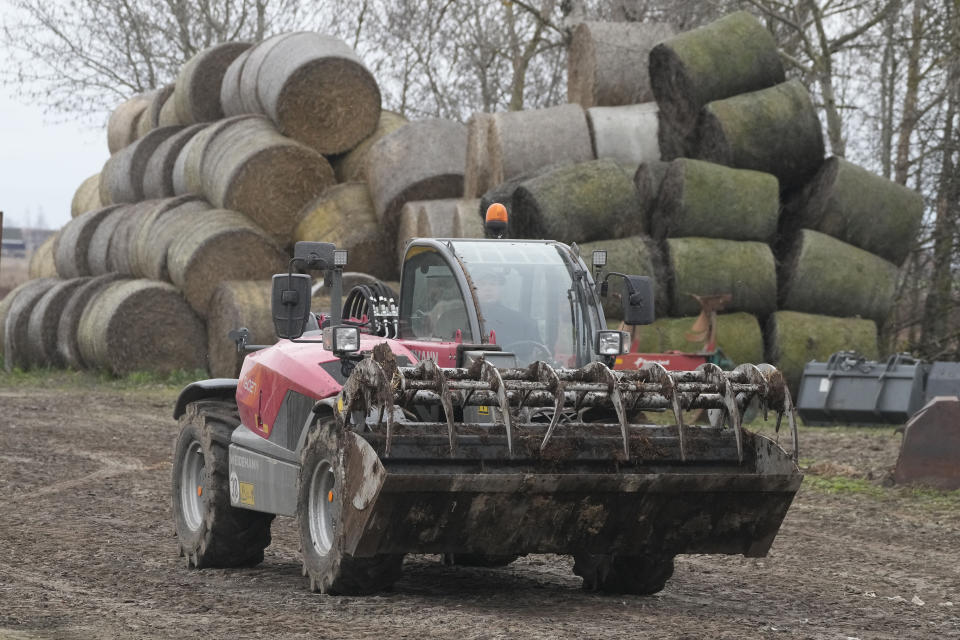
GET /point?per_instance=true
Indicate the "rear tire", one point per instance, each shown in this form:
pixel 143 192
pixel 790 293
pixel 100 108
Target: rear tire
pixel 320 501
pixel 211 532
pixel 638 575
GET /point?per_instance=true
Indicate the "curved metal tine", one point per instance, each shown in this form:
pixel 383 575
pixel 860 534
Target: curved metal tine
pixel 754 376
pixel 603 373
pixel 714 375
pixel 659 375
pixel 491 375
pixel 766 369
pixel 549 377
pixel 436 373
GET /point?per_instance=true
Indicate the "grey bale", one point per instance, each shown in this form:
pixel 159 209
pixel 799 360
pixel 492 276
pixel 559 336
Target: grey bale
pixel 628 133
pixel 71 255
pixel 44 320
pixel 122 177
pixel 68 349
pixel 158 175
pixel 16 319
pixel 197 93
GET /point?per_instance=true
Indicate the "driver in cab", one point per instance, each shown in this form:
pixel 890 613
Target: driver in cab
pixel 512 328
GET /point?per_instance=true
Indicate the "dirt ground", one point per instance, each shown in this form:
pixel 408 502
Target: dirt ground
pixel 88 551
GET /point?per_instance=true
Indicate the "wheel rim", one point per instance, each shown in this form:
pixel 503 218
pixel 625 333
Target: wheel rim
pixel 320 508
pixel 192 490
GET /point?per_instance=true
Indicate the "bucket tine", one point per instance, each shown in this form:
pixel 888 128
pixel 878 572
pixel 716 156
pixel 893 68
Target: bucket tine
pixel 659 375
pixel 491 375
pixel 431 369
pixel 602 373
pixel 548 376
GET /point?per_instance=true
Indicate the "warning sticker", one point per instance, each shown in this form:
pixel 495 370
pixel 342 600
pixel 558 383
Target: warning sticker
pixel 483 410
pixel 234 488
pixel 824 385
pixel 246 493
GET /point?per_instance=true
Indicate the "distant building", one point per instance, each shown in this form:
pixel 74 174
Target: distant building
pixel 19 243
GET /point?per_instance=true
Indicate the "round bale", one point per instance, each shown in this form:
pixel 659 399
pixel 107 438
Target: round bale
pixel 854 205
pixel 236 304
pixel 157 102
pixel 636 256
pixel 98 249
pixel 168 113
pixel 141 325
pixel 122 177
pixel 71 256
pixel 144 123
pixel 647 181
pixel 711 266
pixel 220 245
pixel 476 176
pixel 42 263
pixel 738 336
pixel 30 289
pixel 467 224
pixel 197 95
pixel 793 339
pixel 86 197
pixel 344 215
pixel 408 226
pixel 503 192
pixel 166 222
pixel 187 172
pixel 700 198
pixel 122 247
pixel 44 318
pixel 823 275
pixel 318 92
pixel 68 348
pixel 16 319
pixel 230 100
pixel 249 79
pixel 352 165
pixel 577 203
pixel 250 168
pixel 730 56
pixel 775 130
pixel 158 174
pixel 627 134
pixel 419 161
pixel 607 63
pixel 122 125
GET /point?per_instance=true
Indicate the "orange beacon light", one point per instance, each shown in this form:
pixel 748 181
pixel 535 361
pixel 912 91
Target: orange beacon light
pixel 496 220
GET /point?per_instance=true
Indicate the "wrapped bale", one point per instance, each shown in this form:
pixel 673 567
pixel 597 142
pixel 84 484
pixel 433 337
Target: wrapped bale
pixel 521 141
pixel 467 224
pixel 607 63
pixel 197 94
pixel 794 339
pixel 730 56
pixel 158 99
pixel 344 215
pixel 503 192
pixel 216 244
pixel 577 203
pixel 250 168
pixel 122 246
pixel 637 256
pixel 230 99
pixel 68 348
pixel 419 161
pixel 318 92
pixel 98 250
pixel 86 197
pixel 158 174
pixel 710 200
pixel 71 256
pixel 476 173
pixel 236 304
pixel 122 125
pixel 42 263
pixel 188 168
pixel 141 325
pixel 437 218
pixel 738 336
pixel 626 134
pixel 647 181
pixel 15 316
pixel 775 130
pixel 45 317
pixel 860 208
pixel 826 276
pixel 408 227
pixel 710 266
pixel 168 221
pixel 122 177
pixel 352 165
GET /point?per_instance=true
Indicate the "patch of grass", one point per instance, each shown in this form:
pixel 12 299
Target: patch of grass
pixel 67 378
pixel 843 485
pixel 859 487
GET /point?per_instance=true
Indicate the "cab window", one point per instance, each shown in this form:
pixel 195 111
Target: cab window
pixel 432 304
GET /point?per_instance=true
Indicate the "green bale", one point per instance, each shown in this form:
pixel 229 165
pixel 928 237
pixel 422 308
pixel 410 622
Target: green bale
pixel 738 336
pixel 775 130
pixel 861 208
pixel 711 266
pixel 578 203
pixel 700 198
pixel 794 339
pixel 827 276
pixel 647 180
pixel 636 256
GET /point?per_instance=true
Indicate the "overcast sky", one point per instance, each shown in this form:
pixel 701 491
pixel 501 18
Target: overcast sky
pixel 42 162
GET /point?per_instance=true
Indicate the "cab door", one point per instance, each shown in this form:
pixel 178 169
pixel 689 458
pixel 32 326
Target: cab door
pixel 433 298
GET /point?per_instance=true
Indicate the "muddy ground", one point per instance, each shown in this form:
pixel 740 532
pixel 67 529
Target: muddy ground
pixel 87 550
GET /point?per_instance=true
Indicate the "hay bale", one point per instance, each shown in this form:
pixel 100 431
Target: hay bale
pixel 230 99
pixel 352 165
pixel 158 229
pixel 344 215
pixel 41 345
pixel 98 249
pixel 86 197
pixel 217 245
pixel 503 192
pixel 408 227
pixel 738 336
pixel 144 125
pixel 730 56
pixel 710 200
pixel 187 172
pixel 317 91
pixel 627 134
pixel 158 99
pixel 70 258
pixel 775 130
pixel 521 141
pixel 638 256
pixel 235 304
pixel 168 113
pixel 708 266
pixel 112 334
pixel 794 339
pixel 250 168
pixel 437 218
pixel 250 71
pixel 419 161
pixel 826 276
pixel 123 122
pixel 42 263
pixel 122 246
pixel 577 203
pixel 860 208
pixel 466 223
pixel 476 173
pixel 122 177
pixel 647 180
pixel 607 63
pixel 197 94
pixel 158 174
pixel 68 348
pixel 16 318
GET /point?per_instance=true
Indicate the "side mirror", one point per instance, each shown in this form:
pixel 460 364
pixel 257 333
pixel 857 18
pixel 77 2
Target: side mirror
pixel 638 304
pixel 290 304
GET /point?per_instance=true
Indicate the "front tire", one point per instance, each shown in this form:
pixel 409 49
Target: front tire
pixel 638 575
pixel 211 532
